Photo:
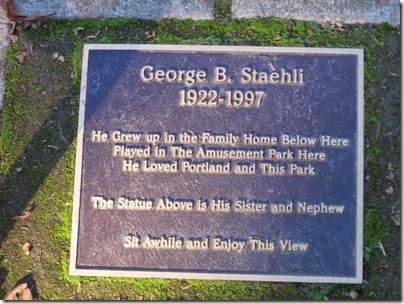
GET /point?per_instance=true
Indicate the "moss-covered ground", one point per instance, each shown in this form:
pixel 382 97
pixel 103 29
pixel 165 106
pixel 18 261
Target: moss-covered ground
pixel 37 151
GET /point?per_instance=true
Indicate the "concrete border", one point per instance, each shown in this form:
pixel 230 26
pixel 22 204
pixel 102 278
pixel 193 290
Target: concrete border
pixel 346 11
pixel 96 9
pixel 4 42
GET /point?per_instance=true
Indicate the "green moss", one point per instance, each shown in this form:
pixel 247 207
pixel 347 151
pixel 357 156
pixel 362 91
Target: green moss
pixel 6 139
pixel 302 27
pixel 374 230
pixel 385 28
pixel 223 9
pixel 76 59
pixel 167 38
pixel 11 111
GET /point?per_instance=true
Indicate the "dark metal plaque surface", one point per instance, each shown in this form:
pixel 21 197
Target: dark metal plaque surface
pixel 206 162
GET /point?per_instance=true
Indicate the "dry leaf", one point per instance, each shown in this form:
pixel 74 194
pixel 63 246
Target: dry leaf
pixel 36 25
pixel 187 287
pixel 24 216
pixel 21 58
pixel 279 287
pixel 150 35
pixel 397 219
pixel 26 248
pixel 93 36
pixel 27 24
pixel 24 55
pixel 277 38
pixel 338 24
pixel 77 30
pixel 353 294
pixel 14 38
pixel 390 167
pixel 93 255
pixel 389 190
pixel 326 25
pixel 55 55
pixel 390 175
pixel 18 169
pixel 30 49
pixel 393 74
pixel 53 147
pixel 372 294
pixel 395 215
pixel 67 204
pixel 61 58
pixel 78 287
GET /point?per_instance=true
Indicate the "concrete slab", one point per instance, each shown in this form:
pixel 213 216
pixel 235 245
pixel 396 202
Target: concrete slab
pixel 143 9
pixel 4 41
pixel 346 11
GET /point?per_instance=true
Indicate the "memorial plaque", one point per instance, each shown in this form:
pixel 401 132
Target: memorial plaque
pixel 209 162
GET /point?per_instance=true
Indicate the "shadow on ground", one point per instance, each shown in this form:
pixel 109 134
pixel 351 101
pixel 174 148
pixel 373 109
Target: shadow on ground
pixel 51 133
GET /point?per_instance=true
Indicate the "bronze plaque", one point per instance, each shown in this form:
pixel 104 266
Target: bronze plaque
pixel 208 162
